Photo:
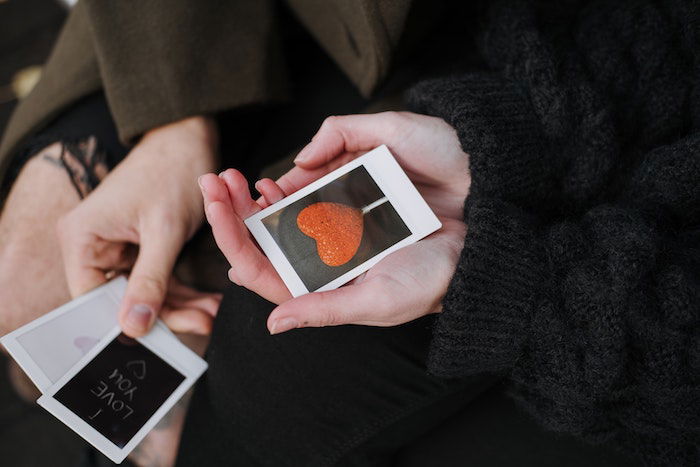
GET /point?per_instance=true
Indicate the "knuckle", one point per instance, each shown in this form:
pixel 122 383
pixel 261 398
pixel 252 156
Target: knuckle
pixel 399 121
pixel 330 122
pixel 383 304
pixel 330 316
pixel 165 221
pixel 151 284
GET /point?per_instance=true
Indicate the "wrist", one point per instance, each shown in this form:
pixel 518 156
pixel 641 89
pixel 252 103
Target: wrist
pixel 202 127
pixel 194 139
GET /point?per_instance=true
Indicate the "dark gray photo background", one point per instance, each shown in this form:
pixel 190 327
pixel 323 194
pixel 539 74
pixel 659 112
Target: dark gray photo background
pixel 159 382
pixel 383 227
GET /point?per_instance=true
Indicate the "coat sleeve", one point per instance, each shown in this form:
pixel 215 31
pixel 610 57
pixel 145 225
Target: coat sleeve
pixel 164 60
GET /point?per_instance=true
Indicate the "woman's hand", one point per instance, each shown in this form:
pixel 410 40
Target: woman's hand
pixel 405 285
pixel 138 219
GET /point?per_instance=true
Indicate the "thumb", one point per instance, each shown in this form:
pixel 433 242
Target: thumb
pixel 349 133
pixel 148 283
pixel 360 303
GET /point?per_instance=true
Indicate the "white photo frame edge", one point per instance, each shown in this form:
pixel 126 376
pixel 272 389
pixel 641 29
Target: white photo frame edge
pixel 115 289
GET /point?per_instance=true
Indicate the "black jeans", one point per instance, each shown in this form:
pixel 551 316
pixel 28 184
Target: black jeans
pixel 353 396
pixel 313 396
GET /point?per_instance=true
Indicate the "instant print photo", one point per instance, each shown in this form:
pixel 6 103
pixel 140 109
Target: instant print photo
pixel 120 390
pixel 336 228
pixel 339 226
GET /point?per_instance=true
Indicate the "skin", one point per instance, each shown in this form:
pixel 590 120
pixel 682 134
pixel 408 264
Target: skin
pixel 95 236
pixel 403 286
pixel 32 274
pixel 138 219
pixel 30 257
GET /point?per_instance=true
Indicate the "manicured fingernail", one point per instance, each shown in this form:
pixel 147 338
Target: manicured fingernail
pixel 257 185
pixel 140 316
pixel 283 325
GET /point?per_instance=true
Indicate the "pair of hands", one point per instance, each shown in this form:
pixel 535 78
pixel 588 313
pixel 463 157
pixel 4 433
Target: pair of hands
pixel 141 215
pixel 405 285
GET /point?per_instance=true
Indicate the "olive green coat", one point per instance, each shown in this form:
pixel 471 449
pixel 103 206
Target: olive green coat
pixel 162 60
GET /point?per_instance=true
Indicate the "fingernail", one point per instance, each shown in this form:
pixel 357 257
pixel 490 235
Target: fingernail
pixel 283 325
pixel 302 156
pixel 221 174
pixel 232 276
pixel 140 316
pixel 199 182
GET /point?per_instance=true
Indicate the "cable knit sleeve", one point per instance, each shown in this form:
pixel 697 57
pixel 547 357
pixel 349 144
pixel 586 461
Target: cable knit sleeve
pixel 594 320
pixel 161 61
pixel 580 275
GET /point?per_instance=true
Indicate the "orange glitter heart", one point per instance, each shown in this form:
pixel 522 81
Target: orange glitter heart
pixel 337 229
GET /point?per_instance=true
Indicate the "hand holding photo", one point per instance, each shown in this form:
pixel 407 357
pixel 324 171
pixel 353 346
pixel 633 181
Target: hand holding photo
pixel 107 387
pixel 341 225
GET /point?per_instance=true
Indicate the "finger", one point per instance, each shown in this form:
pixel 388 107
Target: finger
pixel 83 279
pixel 86 257
pixel 178 289
pixel 213 189
pixel 209 304
pixel 243 204
pixel 348 133
pixel 187 320
pixel 270 190
pixel 298 177
pixel 148 282
pixel 362 303
pixel 252 269
pixel 229 231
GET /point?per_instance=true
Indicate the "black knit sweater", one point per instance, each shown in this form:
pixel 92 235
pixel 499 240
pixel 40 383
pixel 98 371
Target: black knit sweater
pixel 580 275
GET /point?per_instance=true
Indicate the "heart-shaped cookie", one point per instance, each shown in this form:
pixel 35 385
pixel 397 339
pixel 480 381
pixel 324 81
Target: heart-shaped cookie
pixel 337 229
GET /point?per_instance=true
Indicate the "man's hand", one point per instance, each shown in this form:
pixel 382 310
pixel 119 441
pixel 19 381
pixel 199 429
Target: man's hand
pixel 403 286
pixel 138 219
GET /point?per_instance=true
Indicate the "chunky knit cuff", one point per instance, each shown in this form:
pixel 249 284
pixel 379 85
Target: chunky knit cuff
pixel 499 130
pixel 487 308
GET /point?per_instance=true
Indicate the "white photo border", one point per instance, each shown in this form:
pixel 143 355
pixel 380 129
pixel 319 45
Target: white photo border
pixel 397 187
pixel 115 289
